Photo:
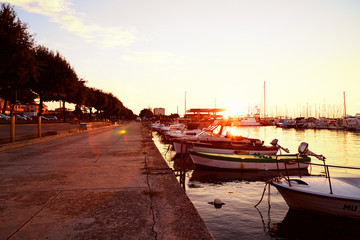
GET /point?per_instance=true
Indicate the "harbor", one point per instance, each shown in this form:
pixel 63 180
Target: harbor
pixel 240 191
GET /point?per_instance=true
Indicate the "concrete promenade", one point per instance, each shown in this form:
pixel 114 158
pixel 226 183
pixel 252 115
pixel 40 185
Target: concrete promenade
pixel 107 183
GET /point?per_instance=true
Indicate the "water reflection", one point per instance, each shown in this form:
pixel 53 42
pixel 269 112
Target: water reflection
pixel 306 225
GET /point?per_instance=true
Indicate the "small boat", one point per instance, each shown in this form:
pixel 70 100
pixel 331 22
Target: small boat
pixel 216 134
pixel 219 144
pixel 233 148
pixel 248 121
pixel 335 196
pixel 249 161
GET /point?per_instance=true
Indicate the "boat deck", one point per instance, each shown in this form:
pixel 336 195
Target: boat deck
pixel 341 187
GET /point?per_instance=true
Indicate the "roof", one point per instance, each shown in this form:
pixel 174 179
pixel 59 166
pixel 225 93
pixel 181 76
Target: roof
pixel 205 110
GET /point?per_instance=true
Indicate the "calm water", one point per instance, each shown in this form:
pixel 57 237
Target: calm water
pixel 240 191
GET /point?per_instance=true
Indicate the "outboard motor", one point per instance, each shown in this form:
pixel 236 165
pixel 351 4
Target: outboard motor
pixel 304 150
pixel 275 143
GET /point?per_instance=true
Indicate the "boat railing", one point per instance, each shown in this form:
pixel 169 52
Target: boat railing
pixel 304 151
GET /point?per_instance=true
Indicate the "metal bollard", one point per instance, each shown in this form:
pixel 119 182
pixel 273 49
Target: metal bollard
pixel 12 128
pixel 39 126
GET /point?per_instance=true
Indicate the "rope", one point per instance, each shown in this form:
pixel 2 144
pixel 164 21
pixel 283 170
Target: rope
pixel 262 196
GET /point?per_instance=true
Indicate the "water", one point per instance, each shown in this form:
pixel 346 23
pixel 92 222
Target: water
pixel 272 219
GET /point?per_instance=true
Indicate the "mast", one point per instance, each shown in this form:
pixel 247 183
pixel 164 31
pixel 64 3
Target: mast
pixel 185 104
pixel 344 106
pixel 264 101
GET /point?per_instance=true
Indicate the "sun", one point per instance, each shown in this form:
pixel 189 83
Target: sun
pixel 235 110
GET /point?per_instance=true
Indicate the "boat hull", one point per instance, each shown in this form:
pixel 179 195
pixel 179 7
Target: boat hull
pixel 224 146
pixel 246 161
pixel 306 200
pixel 240 149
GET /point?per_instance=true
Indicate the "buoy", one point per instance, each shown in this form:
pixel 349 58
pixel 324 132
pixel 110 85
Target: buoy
pixel 217 203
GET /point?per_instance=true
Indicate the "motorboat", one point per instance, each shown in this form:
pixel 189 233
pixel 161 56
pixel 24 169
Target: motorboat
pixel 248 161
pixel 213 175
pixel 230 147
pixel 248 121
pixel 333 196
pixel 216 135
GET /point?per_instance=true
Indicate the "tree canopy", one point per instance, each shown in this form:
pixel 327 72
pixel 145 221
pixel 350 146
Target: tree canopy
pixel 16 59
pixel 28 71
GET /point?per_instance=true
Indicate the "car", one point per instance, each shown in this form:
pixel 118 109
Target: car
pixel 3 116
pixel 51 117
pixel 19 117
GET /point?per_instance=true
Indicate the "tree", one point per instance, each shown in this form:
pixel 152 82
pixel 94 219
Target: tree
pixel 146 113
pixel 16 59
pixel 56 79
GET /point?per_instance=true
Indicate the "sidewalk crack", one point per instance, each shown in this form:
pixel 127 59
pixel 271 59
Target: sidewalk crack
pixel 34 215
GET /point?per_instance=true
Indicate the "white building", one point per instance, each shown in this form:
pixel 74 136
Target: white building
pixel 159 111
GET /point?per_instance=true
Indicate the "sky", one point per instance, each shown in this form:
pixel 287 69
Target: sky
pixel 295 57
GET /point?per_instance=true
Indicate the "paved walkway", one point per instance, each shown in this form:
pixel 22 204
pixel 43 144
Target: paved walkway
pixel 109 183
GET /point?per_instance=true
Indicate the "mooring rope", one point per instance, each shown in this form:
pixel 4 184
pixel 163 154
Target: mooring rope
pixel 262 196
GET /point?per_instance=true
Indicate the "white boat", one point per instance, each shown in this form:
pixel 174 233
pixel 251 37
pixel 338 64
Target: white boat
pixel 215 134
pixel 248 121
pixel 217 142
pixel 249 161
pixel 312 193
pixel 334 196
pixel 233 148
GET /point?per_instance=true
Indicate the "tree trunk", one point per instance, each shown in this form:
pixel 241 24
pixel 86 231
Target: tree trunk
pixel 64 112
pixel 12 109
pixel 90 115
pixel 4 107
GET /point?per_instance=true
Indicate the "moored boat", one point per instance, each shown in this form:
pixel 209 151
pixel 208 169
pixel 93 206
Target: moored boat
pixel 233 148
pixel 312 193
pixel 334 196
pixel 249 161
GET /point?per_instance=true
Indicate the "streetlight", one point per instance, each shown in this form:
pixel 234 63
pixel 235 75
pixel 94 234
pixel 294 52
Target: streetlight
pixel 185 104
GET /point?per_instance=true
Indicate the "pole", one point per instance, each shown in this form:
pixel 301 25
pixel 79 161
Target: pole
pixel 12 128
pixel 39 126
pixel 344 106
pixel 264 101
pixel 185 104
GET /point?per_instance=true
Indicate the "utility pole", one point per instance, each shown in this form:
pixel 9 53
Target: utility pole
pixel 264 102
pixel 344 106
pixel 185 104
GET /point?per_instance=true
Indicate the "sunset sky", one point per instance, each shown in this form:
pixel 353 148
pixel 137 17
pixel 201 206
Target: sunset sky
pixel 216 52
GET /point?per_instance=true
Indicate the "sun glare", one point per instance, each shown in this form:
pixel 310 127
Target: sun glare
pixel 235 110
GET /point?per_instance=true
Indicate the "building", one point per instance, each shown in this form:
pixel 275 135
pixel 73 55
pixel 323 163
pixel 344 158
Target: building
pixel 159 111
pixel 28 109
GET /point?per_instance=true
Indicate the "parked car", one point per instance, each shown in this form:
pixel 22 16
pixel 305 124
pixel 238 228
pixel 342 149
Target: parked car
pixel 3 116
pixel 51 117
pixel 19 117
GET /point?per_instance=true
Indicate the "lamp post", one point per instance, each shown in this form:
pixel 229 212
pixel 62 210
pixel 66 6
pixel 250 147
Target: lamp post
pixel 185 104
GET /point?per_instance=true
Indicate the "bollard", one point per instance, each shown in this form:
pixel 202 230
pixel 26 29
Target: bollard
pixel 12 128
pixel 39 126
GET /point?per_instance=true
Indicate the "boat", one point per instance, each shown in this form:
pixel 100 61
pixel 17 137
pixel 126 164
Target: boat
pixel 325 195
pixel 215 176
pixel 216 134
pixel 248 121
pixel 232 148
pixel 249 161
pixel 219 144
